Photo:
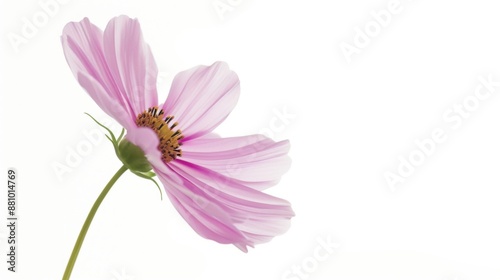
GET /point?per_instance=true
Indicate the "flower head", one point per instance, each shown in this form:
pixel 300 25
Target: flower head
pixel 214 183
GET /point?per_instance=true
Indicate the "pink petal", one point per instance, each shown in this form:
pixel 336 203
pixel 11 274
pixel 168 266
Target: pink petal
pixel 84 47
pixel 146 139
pixel 107 103
pixel 131 63
pixel 207 219
pixel 255 161
pixel 202 97
pixel 222 209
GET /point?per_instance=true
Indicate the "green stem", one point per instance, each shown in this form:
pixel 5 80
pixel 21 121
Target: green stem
pixel 88 221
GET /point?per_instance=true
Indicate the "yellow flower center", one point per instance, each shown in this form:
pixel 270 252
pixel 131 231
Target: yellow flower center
pixel 169 139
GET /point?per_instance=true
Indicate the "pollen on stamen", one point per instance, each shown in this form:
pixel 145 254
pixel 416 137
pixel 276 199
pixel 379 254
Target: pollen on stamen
pixel 169 139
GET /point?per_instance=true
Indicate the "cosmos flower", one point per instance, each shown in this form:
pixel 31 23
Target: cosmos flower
pixel 214 183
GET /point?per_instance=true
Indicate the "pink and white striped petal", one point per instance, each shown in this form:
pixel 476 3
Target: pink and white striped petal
pixel 202 97
pixel 255 160
pixel 119 75
pixel 131 63
pixel 223 209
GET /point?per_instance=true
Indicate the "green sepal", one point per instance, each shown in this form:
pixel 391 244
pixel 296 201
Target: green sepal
pixel 149 176
pixel 133 157
pixel 130 155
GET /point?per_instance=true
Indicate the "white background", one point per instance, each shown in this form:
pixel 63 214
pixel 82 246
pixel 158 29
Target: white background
pixel 351 123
